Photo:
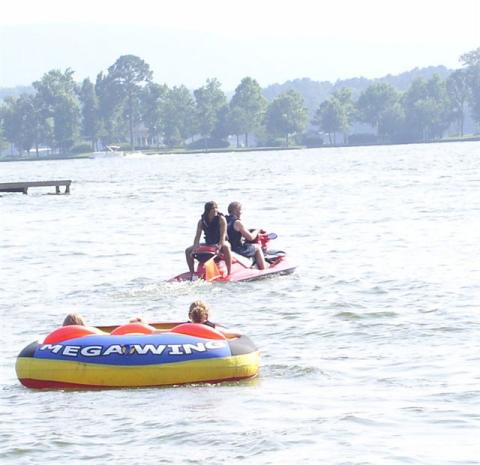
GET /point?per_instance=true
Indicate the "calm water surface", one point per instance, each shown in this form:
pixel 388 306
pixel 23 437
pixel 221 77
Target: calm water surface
pixel 370 351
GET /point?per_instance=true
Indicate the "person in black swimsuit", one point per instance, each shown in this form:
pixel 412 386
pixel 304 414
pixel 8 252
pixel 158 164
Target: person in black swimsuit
pixel 198 313
pixel 214 226
pixel 238 235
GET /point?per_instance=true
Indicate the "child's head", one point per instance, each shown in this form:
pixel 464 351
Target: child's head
pixel 73 319
pixel 198 312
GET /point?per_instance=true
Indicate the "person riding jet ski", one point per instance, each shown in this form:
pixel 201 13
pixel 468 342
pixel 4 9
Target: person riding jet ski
pixel 239 236
pixel 214 226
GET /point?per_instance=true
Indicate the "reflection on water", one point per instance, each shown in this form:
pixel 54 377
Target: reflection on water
pixel 369 351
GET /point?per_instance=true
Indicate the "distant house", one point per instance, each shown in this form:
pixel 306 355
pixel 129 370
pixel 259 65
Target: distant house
pixel 142 138
pixel 11 151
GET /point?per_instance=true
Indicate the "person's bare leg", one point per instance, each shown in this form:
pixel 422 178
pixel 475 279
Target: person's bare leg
pixel 261 263
pixel 228 257
pixel 189 258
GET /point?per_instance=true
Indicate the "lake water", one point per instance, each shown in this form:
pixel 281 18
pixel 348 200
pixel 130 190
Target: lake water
pixel 370 352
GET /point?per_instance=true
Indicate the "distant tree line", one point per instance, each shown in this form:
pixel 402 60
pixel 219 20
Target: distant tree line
pixel 124 103
pixel 422 113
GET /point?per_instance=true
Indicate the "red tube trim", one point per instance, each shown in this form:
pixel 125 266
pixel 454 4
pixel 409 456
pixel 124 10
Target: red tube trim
pixel 64 333
pixel 45 384
pixel 133 328
pixel 198 330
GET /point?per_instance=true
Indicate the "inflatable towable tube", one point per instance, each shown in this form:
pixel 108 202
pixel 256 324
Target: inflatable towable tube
pixel 131 356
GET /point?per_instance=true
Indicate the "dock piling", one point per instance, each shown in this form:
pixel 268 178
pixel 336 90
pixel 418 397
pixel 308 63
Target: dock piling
pixel 24 186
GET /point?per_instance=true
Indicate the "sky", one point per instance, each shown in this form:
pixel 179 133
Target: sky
pixel 188 41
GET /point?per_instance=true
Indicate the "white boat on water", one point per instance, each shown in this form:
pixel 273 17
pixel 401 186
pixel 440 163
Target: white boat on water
pixel 114 152
pixel 111 151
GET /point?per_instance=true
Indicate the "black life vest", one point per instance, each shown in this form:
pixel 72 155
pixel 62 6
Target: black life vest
pixel 206 323
pixel 234 237
pixel 212 230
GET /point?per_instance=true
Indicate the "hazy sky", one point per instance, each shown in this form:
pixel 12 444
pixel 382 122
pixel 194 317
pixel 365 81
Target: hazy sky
pixel 187 41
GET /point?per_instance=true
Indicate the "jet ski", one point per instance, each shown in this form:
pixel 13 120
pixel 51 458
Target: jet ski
pixel 212 268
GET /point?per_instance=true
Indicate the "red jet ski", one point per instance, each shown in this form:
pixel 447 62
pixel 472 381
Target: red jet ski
pixel 211 264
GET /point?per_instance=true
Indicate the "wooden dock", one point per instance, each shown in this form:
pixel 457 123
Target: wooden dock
pixel 24 186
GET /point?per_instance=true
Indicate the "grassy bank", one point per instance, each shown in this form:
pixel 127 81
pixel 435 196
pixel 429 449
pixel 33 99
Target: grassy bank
pixel 180 151
pixel 221 150
pixel 48 157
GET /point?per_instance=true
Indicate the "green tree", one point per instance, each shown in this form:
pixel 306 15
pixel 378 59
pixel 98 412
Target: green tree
pixel 375 102
pixel 334 114
pixel 248 107
pixel 3 141
pixel 414 119
pixel 428 110
pixel 24 124
pixel 129 74
pixel 392 125
pixel 66 123
pixel 328 118
pixel 458 91
pixel 471 63
pixel 344 98
pixel 287 115
pixel 57 97
pixel 209 102
pixel 109 110
pixel 471 58
pixel 179 116
pixel 154 101
pixel 235 117
pixel 17 122
pixel 222 129
pixel 91 122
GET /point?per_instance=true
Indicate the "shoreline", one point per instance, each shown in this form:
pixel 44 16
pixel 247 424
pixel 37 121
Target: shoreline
pixel 149 152
pixel 48 158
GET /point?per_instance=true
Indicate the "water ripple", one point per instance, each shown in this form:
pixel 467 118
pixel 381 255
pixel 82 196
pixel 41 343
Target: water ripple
pixel 369 352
